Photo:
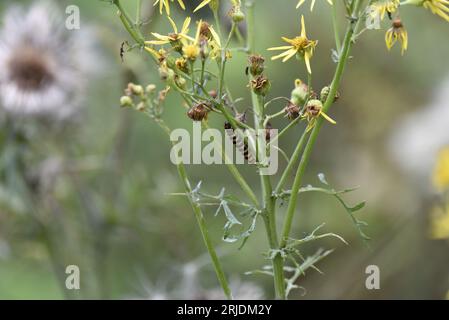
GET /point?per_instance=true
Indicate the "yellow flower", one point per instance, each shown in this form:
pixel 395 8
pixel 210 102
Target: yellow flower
pixel 439 223
pixel 215 45
pixel 300 45
pixel 300 3
pixel 441 171
pixel 383 7
pixel 395 33
pixel 312 111
pixel 166 4
pixel 438 7
pixel 172 38
pixel 212 3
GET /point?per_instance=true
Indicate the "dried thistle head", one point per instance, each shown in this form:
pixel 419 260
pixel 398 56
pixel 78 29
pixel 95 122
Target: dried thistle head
pixel 260 85
pixel 199 112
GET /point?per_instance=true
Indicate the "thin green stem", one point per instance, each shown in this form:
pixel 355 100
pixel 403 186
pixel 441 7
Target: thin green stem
pixel 129 25
pixel 138 13
pixel 205 234
pixel 267 191
pixel 293 160
pixel 335 26
pixel 344 54
pixel 200 220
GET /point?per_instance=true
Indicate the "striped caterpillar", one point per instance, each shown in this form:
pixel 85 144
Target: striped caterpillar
pixel 240 143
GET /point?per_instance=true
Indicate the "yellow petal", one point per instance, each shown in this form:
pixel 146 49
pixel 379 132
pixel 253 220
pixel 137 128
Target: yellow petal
pixel 201 5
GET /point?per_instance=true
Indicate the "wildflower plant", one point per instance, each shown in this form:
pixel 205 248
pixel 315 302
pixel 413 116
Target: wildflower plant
pixel 192 63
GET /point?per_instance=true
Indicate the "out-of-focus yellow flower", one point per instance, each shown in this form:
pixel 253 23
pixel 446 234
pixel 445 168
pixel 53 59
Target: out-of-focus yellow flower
pixel 440 223
pixel 299 45
pixel 212 3
pixel 396 33
pixel 312 4
pixel 383 7
pixel 216 46
pixel 172 37
pixel 441 172
pixel 166 4
pixel 438 7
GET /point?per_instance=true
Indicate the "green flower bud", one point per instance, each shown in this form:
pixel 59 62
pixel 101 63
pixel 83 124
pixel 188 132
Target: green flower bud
pixel 236 14
pixel 126 101
pixel 150 88
pixel 299 94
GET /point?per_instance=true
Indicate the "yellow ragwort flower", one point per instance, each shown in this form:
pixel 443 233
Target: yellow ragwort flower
pixel 301 2
pixel 299 45
pixel 173 37
pixel 216 47
pixel 212 3
pixel 166 4
pixel 438 7
pixel 383 7
pixel 441 171
pixel 192 50
pixel 397 33
pixel 439 223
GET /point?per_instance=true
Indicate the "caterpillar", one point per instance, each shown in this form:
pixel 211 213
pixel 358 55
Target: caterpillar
pixel 240 143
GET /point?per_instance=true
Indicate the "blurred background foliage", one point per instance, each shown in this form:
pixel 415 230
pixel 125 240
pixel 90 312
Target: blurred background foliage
pixel 110 212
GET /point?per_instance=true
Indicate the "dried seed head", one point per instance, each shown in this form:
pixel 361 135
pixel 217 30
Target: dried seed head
pixel 313 108
pixel 292 111
pixel 260 85
pixel 256 64
pixel 205 31
pixel 198 112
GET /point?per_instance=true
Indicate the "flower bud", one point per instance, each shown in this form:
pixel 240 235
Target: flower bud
pixel 236 14
pixel 150 88
pixel 299 94
pixel 141 106
pixel 256 64
pixel 180 82
pixel 325 93
pixel 260 85
pixel 126 101
pixel 166 73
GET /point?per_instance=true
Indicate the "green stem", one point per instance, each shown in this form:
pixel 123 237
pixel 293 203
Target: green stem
pixel 267 192
pixel 293 160
pixel 131 27
pixel 205 234
pixel 335 26
pixel 200 220
pixel 314 134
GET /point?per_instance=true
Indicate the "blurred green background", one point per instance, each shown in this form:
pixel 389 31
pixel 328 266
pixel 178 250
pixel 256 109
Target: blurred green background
pixel 116 221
